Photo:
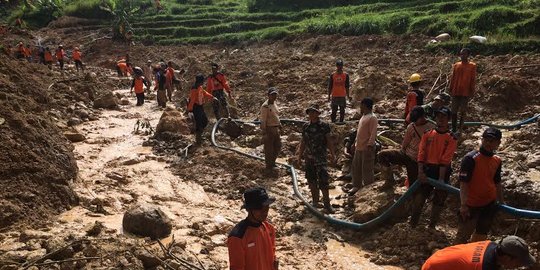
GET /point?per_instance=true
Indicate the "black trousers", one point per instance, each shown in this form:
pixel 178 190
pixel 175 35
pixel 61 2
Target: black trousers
pixel 140 98
pixel 201 121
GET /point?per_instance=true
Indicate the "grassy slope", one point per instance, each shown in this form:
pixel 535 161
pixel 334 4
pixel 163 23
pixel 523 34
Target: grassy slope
pixel 502 21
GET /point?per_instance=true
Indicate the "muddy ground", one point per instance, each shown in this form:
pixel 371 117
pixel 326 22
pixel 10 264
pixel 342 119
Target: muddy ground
pixel 120 166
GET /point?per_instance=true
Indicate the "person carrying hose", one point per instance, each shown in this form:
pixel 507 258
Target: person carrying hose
pixel 435 152
pixel 462 87
pixel 408 154
pixel 415 96
pixel 338 92
pixel 508 253
pixel 217 85
pixel 252 242
pixel 270 126
pixel 480 189
pixel 314 150
pixel 195 107
pixel 438 102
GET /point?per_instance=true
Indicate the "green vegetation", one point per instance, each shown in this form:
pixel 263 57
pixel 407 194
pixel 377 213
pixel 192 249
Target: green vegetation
pixel 199 21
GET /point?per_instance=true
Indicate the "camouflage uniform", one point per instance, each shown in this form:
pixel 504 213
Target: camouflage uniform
pixel 316 151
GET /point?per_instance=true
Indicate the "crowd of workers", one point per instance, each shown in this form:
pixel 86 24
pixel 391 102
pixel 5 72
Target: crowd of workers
pixel 427 151
pixel 43 55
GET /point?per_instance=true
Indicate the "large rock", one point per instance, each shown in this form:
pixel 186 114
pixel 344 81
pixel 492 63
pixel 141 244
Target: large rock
pixel 370 202
pixel 147 221
pixel 107 101
pixel 172 121
pixel 74 136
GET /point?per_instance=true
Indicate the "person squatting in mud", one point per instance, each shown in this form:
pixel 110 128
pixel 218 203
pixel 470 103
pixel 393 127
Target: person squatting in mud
pixel 480 189
pixel 252 242
pixel 338 92
pixel 435 152
pixel 408 154
pixel 313 149
pixel 509 252
pixel 217 85
pixel 139 81
pixel 270 126
pixel 197 99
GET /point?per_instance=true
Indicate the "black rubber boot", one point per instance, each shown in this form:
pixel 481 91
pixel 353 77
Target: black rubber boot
pixel 314 195
pixel 417 205
pixel 435 215
pixel 326 201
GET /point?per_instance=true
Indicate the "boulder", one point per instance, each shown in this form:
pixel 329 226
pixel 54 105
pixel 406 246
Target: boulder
pixel 172 121
pixel 73 121
pixel 74 136
pixel 107 101
pixel 232 129
pixel 147 221
pixel 443 37
pixel 125 101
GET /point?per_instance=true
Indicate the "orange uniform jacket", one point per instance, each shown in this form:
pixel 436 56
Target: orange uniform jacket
pixel 463 79
pixel 339 84
pixel 218 82
pixel 27 52
pixel 60 54
pixel 138 84
pixel 437 148
pixel 196 96
pixel 472 256
pixel 252 246
pixel 481 171
pixel 414 98
pixel 123 67
pixel 48 56
pixel 169 74
pixel 77 55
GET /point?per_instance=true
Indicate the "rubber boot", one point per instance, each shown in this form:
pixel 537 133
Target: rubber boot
pixel 388 176
pixel 417 205
pixel 314 195
pixel 435 215
pixel 326 201
pixel 198 138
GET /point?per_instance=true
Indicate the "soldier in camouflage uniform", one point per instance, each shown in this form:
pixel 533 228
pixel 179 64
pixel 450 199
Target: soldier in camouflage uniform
pixel 314 150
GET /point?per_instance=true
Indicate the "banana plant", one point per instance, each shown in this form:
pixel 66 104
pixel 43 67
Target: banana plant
pixel 122 12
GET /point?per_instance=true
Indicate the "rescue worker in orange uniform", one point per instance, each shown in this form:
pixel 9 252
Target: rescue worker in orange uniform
pixel 480 188
pixel 508 253
pixel 48 57
pixel 60 54
pixel 415 96
pixel 122 68
pixel 217 85
pixel 462 87
pixel 197 98
pixel 77 58
pixel 28 53
pixel 169 75
pixel 252 242
pixel 435 152
pixel 138 83
pixel 21 51
pixel 338 92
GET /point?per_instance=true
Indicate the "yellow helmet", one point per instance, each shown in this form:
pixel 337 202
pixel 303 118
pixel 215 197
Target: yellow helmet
pixel 415 78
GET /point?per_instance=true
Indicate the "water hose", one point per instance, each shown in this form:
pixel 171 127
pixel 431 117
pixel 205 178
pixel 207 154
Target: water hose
pixel 517 125
pixel 388 212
